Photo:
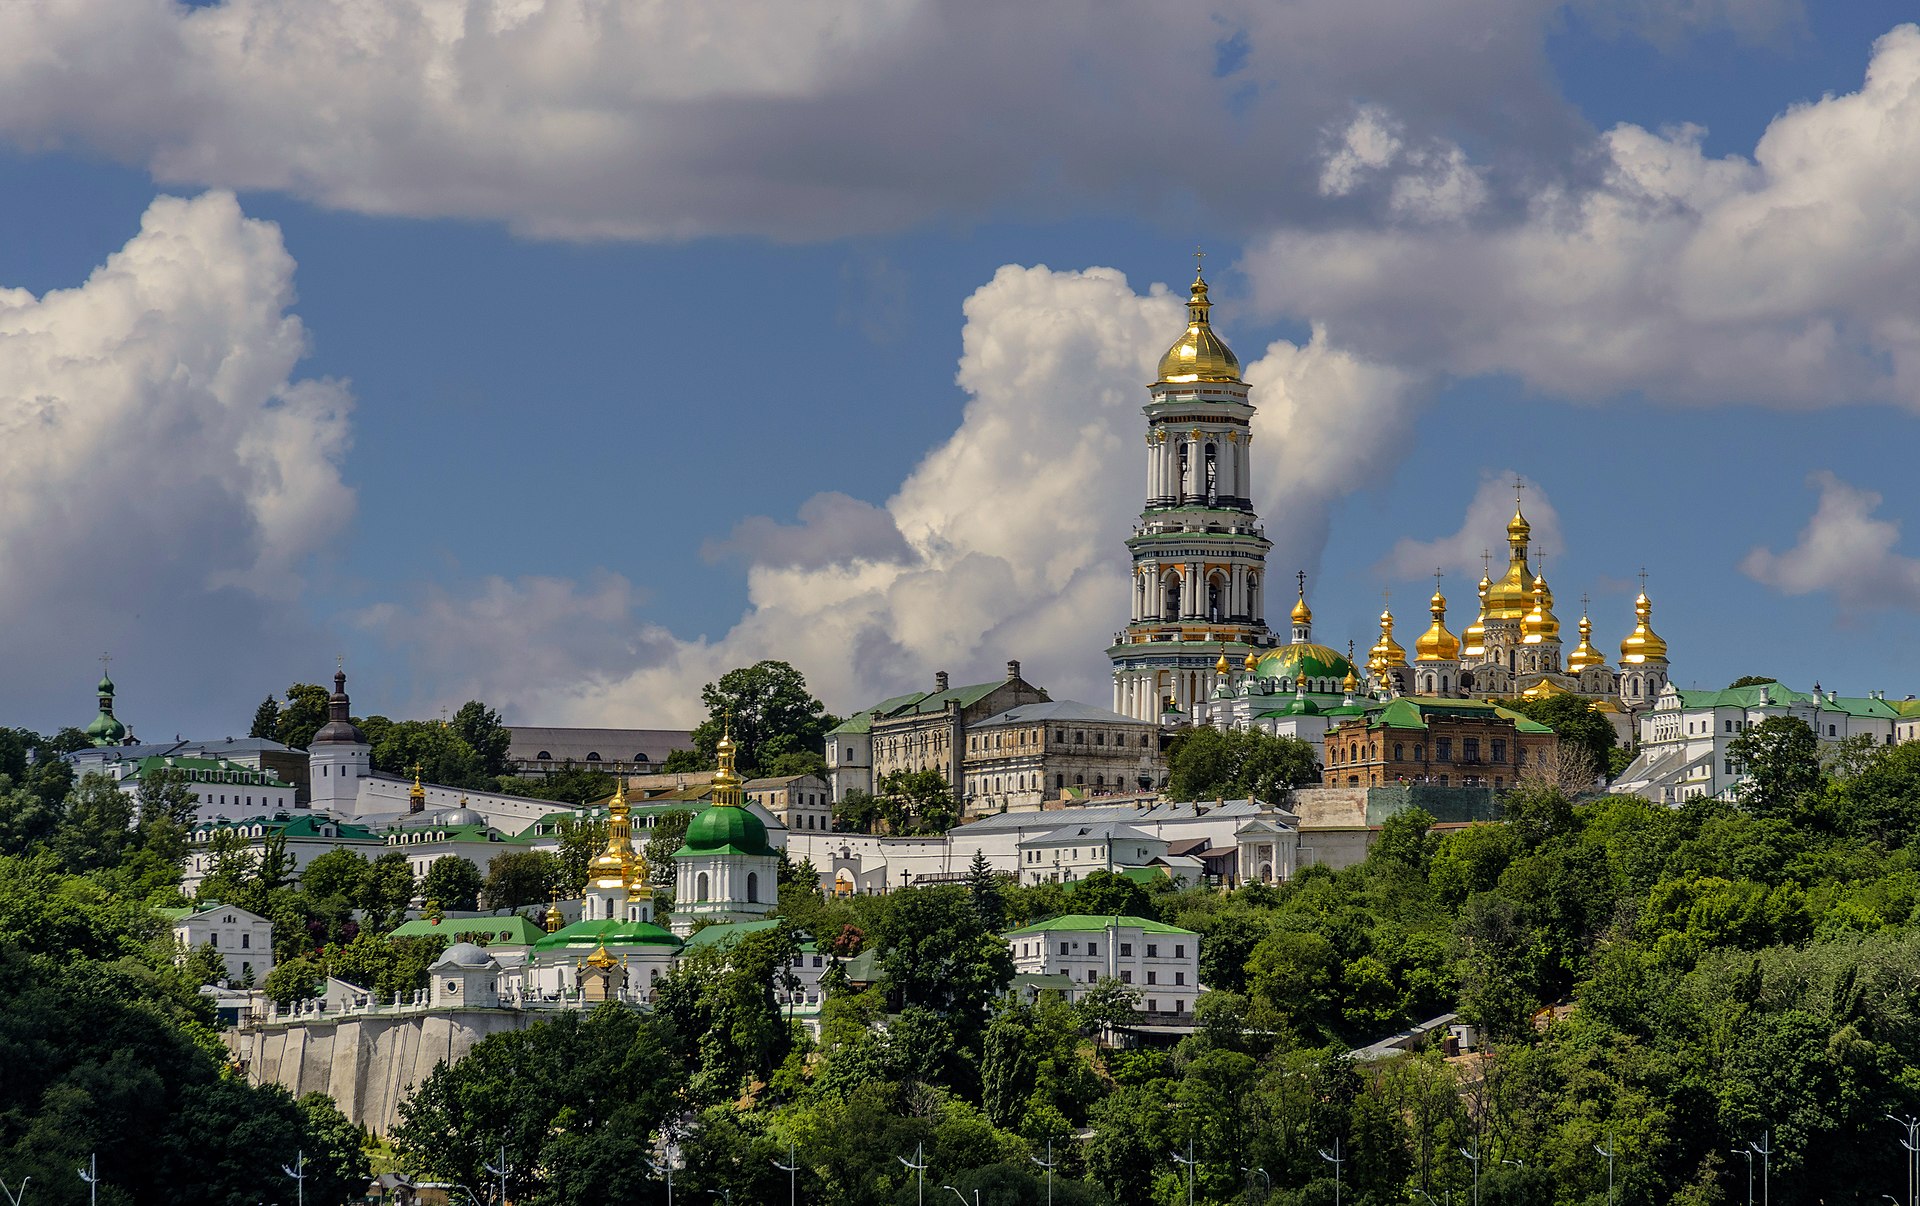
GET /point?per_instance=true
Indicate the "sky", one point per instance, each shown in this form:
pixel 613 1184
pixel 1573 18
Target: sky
pixel 565 355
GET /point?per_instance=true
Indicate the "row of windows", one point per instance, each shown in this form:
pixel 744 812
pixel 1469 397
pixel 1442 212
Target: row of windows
pixel 1070 947
pixel 1442 751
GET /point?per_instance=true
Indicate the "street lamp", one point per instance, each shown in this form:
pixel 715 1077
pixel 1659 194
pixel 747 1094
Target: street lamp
pixel 963 1197
pixel 91 1175
pixel 919 1166
pixel 1912 1144
pixel 14 1196
pixel 792 1169
pixel 1607 1151
pixel 1263 1176
pixel 1047 1164
pixel 1188 1161
pixel 500 1172
pixel 1474 1156
pixel 1764 1149
pixel 299 1174
pixel 664 1167
pixel 1748 1153
pixel 1336 1160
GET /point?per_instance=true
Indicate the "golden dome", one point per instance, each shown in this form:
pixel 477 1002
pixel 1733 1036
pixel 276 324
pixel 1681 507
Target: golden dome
pixel 1540 624
pixel 613 867
pixel 1511 598
pixel 1387 653
pixel 1199 355
pixel 1436 644
pixel 1584 654
pixel 1351 683
pixel 1473 641
pixel 1302 614
pixel 1642 644
pixel 1220 667
pixel 554 920
pixel 1251 661
pixel 726 781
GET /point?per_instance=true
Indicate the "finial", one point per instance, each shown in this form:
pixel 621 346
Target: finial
pixel 339 661
pixel 1643 579
pixel 1301 577
pixel 1541 557
pixel 415 769
pixel 1519 484
pixel 1437 575
pixel 1199 257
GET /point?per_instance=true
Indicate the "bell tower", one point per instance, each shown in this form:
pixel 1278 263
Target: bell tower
pixel 1199 552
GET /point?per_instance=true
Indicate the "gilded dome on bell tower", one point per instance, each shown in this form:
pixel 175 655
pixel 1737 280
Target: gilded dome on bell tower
pixel 1436 644
pixel 1199 355
pixel 1642 644
pixel 1511 598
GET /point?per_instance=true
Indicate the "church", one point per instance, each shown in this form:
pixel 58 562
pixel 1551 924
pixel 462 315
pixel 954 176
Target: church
pixel 1197 648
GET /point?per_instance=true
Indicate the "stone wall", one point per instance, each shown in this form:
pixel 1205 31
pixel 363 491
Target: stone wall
pixel 368 1063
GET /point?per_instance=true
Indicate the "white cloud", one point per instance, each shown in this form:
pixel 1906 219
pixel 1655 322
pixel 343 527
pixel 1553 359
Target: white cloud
pixel 786 118
pixel 1483 530
pixel 1007 541
pixel 1844 551
pixel 1786 278
pixel 162 474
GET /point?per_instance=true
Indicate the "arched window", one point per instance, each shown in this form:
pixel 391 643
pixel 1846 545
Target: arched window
pixel 642 757
pixel 700 886
pixel 1170 610
pixel 543 756
pixel 593 756
pixel 1213 599
pixel 753 887
pixel 1213 471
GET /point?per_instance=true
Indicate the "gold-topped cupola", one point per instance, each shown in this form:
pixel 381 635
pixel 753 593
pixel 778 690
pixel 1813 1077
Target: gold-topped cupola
pixel 1584 655
pixel 1199 355
pixel 1642 645
pixel 1436 644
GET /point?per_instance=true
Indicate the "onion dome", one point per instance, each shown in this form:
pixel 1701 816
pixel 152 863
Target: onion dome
pixel 554 920
pixel 1511 598
pixel 1351 683
pixel 1302 614
pixel 1584 655
pixel 1199 355
pixel 728 826
pixel 1222 667
pixel 339 729
pixel 1540 623
pixel 1642 644
pixel 464 955
pixel 416 795
pixel 106 728
pixel 1387 653
pixel 1473 640
pixel 613 867
pixel 1436 644
pixel 1252 659
pixel 460 816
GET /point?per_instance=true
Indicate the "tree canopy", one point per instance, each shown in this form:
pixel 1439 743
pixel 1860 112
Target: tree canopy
pixel 771 713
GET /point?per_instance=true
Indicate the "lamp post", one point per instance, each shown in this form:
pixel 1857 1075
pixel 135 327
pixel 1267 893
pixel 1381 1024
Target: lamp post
pixel 15 1195
pixel 1263 1176
pixel 1748 1153
pixel 919 1166
pixel 963 1197
pixel 1607 1151
pixel 792 1169
pixel 1188 1161
pixel 1764 1149
pixel 299 1174
pixel 1336 1159
pixel 1912 1144
pixel 500 1172
pixel 1047 1164
pixel 91 1175
pixel 663 1167
pixel 1474 1156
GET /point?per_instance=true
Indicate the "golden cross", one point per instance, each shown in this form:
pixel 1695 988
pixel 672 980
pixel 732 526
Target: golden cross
pixel 415 768
pixel 1437 575
pixel 1519 484
pixel 1486 562
pixel 1643 579
pixel 1198 257
pixel 1301 577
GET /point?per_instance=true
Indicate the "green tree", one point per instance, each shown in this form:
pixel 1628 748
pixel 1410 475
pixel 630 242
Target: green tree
pixel 519 878
pixel 438 749
pixel 203 965
pixel 719 1001
pixel 1205 763
pixel 857 812
pixel 1750 680
pixel 388 891
pixel 295 979
pixel 96 829
pixel 983 886
pixel 1107 893
pixel 266 720
pixel 772 714
pixel 304 713
pixel 479 726
pixel 1576 723
pixel 580 840
pixel 452 882
pixel 1781 760
pixel 917 802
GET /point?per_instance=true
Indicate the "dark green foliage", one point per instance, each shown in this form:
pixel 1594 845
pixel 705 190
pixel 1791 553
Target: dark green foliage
pixel 916 802
pixel 519 878
pixel 266 720
pixel 1575 722
pixel 305 711
pixel 770 713
pixel 1205 763
pixel 452 883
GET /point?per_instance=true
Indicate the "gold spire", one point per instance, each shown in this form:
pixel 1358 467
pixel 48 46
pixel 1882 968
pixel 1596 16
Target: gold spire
pixel 1199 355
pixel 1584 654
pixel 1642 644
pixel 1436 644
pixel 1473 641
pixel 1251 661
pixel 416 795
pixel 726 782
pixel 554 920
pixel 1387 653
pixel 614 866
pixel 1302 614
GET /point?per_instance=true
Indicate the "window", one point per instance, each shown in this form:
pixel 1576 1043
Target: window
pixel 1079 736
pixel 753 887
pixel 1179 950
pixel 1153 1006
pixel 1126 976
pixel 1153 977
pixel 1443 748
pixel 246 941
pixel 1126 950
pixel 1092 975
pixel 213 940
pixel 1153 950
pixel 1472 749
pixel 700 887
pixel 1063 948
pixel 1416 753
pixel 1179 977
pixel 1093 948
pixel 1397 754
pixel 1830 730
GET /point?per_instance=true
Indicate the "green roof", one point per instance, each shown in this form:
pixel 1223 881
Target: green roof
pixel 1090 923
pixel 724 933
pixel 1779 695
pixel 1412 713
pixel 510 930
pixel 206 770
pixel 726 829
pixel 1302 660
pixel 307 826
pixel 586 935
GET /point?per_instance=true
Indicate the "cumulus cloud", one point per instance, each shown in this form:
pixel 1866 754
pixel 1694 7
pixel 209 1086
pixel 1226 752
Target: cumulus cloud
pixel 1786 278
pixel 1006 541
pixel 787 118
pixel 1483 530
pixel 1846 551
pixel 163 475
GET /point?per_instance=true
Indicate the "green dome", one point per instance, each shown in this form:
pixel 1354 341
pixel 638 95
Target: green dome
pixel 1304 660
pixel 724 829
pixel 611 933
pixel 106 685
pixel 1300 705
pixel 105 730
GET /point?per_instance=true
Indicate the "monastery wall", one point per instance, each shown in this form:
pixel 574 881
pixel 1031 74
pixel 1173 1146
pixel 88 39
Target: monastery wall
pixel 369 1064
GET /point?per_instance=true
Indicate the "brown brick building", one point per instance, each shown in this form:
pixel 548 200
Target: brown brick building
pixel 1449 742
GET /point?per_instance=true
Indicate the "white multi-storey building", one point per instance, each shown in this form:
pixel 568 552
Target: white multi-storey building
pixel 1160 962
pixel 1685 737
pixel 244 940
pixel 1074 852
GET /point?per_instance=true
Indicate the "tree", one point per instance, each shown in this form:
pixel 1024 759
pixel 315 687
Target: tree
pixel 521 877
pixel 983 886
pixel 452 882
pixel 305 712
pixel 266 720
pixel 295 979
pixel 388 890
pixel 1750 680
pixel 798 762
pixel 719 1001
pixel 479 726
pixel 770 711
pixel 97 828
pixel 442 754
pixel 1110 893
pixel 580 841
pixel 1780 757
pixel 1205 763
pixel 1575 722
pixel 857 812
pixel 667 834
pixel 917 802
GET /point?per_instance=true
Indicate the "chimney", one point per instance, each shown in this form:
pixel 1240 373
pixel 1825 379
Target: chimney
pixel 939 680
pixel 1013 670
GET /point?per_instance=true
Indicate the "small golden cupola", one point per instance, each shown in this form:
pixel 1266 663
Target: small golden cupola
pixel 1473 640
pixel 1223 666
pixel 726 779
pixel 1541 624
pixel 1199 355
pixel 1584 655
pixel 1642 645
pixel 1436 644
pixel 1252 660
pixel 614 866
pixel 554 919
pixel 1387 654
pixel 1302 614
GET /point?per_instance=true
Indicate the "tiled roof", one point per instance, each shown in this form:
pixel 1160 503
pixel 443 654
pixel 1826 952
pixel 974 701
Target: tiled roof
pixel 1090 923
pixel 1057 710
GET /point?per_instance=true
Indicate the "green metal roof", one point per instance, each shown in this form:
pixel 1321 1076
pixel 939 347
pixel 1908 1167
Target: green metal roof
pixel 1778 695
pixel 511 930
pixel 586 935
pixel 726 829
pixel 1412 713
pixel 726 932
pixel 208 770
pixel 1088 923
pixel 308 826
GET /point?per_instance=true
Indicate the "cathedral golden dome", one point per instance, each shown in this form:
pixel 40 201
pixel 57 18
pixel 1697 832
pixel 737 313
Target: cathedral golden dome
pixel 1220 667
pixel 1540 624
pixel 1386 653
pixel 1199 355
pixel 1302 614
pixel 1584 654
pixel 1473 640
pixel 613 867
pixel 1642 644
pixel 1436 644
pixel 1511 598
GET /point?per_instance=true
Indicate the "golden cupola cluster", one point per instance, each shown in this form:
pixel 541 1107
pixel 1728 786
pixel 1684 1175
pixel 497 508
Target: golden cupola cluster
pixel 1473 640
pixel 1511 598
pixel 1436 644
pixel 1386 653
pixel 1642 645
pixel 1199 355
pixel 1584 655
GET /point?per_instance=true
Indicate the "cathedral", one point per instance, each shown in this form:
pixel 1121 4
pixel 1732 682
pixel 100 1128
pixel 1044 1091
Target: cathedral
pixel 1197 649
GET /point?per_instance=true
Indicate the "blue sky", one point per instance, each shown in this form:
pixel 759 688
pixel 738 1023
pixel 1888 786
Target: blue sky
pixel 558 414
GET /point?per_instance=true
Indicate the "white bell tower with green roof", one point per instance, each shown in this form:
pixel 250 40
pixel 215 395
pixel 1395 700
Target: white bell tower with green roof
pixel 1199 551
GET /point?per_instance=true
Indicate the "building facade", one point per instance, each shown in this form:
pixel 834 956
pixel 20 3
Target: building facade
pixel 1199 552
pixel 802 802
pixel 1448 742
pixel 1160 962
pixel 1034 752
pixel 921 731
pixel 243 940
